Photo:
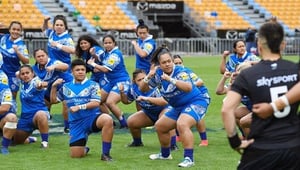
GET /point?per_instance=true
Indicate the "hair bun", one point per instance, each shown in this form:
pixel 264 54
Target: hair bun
pixel 141 22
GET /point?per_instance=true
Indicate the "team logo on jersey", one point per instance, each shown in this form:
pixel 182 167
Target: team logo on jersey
pixel 26 51
pixel 4 81
pixel 111 61
pixel 99 92
pixel 7 97
pixel 183 76
pixel 148 47
pixel 194 76
pixel 71 42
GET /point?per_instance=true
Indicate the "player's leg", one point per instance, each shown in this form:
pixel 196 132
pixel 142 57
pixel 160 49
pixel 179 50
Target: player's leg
pixel 112 102
pixel 202 133
pixel 78 149
pixel 163 127
pixel 135 122
pixel 40 120
pixel 8 124
pixel 105 123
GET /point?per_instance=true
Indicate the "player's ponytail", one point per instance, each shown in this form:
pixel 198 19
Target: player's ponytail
pixel 142 25
pixel 163 49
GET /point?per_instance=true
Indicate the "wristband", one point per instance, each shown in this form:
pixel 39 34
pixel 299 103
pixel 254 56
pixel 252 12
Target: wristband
pixel 146 79
pixel 93 64
pixel 234 141
pixel 82 107
pixel 274 107
pixel 59 46
pixel 173 81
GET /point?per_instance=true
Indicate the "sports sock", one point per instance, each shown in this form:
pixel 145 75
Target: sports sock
pixel 5 142
pixel 173 140
pixel 106 147
pixel 189 153
pixel 165 152
pixel 203 135
pixel 137 140
pixel 66 124
pixel 44 136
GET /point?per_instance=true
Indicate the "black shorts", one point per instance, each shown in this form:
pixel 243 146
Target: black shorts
pixel 270 159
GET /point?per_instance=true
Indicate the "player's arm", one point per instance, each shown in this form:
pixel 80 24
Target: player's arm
pixel 21 55
pixel 124 97
pixel 159 101
pixel 138 49
pixel 231 102
pixel 185 86
pixel 101 68
pixel 221 89
pixel 45 24
pixel 265 110
pixel 59 66
pixel 223 62
pixel 53 95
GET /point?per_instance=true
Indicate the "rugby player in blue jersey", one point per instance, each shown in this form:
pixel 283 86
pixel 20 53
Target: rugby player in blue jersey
pixel 83 98
pixel 87 47
pixel 49 70
pixel 60 42
pixel 34 112
pixel 188 107
pixel 144 47
pixel 114 68
pixel 60 46
pixel 153 106
pixel 14 51
pixel 204 92
pixel 239 56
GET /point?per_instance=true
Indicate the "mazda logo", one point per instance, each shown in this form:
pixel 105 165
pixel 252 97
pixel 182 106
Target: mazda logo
pixel 232 35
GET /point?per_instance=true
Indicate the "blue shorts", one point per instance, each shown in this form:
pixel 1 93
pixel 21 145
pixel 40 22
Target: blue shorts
pixel 153 114
pixel 14 84
pixel 27 125
pixel 114 87
pixel 195 109
pixel 82 128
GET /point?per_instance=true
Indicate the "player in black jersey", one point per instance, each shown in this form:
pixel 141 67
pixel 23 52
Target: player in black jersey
pixel 273 142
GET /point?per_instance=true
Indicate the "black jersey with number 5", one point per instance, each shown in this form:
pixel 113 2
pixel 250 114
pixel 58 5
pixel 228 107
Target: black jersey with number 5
pixel 265 82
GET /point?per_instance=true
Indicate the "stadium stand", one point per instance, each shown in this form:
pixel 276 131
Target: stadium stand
pixel 110 14
pixel 286 11
pixel 216 13
pixel 20 10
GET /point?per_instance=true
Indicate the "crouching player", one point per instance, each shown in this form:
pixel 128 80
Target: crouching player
pixel 83 99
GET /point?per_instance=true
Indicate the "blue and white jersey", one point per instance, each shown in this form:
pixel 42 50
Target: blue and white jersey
pixel 3 78
pixel 6 98
pixel 234 60
pixel 80 93
pixel 53 75
pixel 175 96
pixel 134 92
pixel 32 99
pixel 203 89
pixel 149 46
pixel 64 39
pixel 99 51
pixel 11 61
pixel 114 62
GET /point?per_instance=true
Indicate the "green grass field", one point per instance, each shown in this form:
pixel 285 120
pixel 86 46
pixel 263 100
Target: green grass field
pixel 217 156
